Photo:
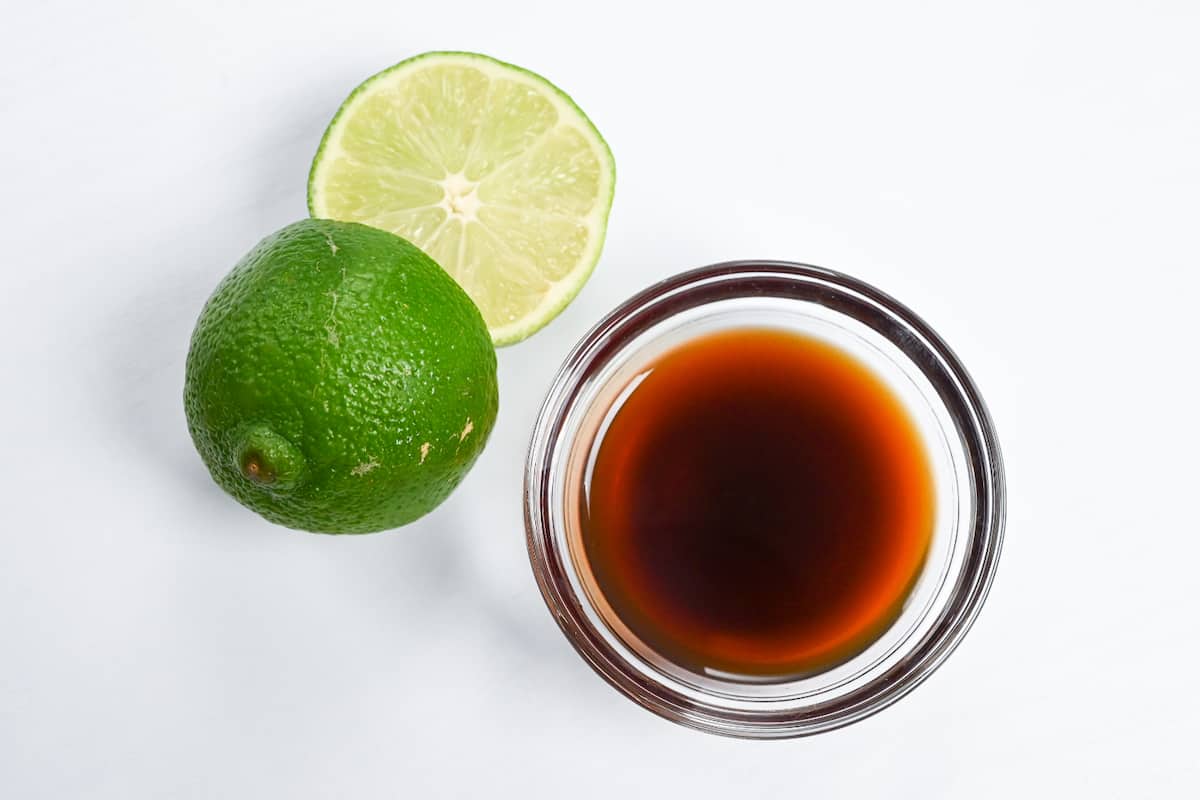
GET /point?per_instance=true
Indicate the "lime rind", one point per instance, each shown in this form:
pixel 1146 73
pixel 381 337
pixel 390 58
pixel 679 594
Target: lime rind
pixel 554 292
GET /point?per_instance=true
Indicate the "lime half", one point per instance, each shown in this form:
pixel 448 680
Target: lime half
pixel 488 168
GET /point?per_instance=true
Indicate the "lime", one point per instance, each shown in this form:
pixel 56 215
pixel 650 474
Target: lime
pixel 489 168
pixel 339 381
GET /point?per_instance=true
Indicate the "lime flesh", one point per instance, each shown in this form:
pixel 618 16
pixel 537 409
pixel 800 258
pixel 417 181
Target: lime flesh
pixel 489 168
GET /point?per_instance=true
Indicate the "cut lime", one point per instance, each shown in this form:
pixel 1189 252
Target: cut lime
pixel 488 168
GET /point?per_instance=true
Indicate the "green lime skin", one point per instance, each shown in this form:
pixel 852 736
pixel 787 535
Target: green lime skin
pixel 339 380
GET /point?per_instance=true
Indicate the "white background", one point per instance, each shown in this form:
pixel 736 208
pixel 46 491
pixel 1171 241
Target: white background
pixel 1025 175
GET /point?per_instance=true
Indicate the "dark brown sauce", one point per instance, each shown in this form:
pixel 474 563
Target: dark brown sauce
pixel 761 504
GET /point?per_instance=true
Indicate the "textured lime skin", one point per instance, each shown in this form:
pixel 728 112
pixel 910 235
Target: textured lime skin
pixel 339 381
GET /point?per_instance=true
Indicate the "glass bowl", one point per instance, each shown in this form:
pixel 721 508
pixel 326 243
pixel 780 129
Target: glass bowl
pixel 901 350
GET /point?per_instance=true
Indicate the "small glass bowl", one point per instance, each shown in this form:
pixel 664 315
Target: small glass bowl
pixel 921 371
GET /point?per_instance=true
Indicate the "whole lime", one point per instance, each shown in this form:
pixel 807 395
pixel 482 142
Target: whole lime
pixel 339 381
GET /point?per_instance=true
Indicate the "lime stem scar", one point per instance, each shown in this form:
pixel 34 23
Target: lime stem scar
pixel 254 469
pixel 266 458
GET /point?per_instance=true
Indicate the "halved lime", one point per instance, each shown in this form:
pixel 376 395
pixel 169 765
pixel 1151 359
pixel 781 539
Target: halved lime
pixel 487 167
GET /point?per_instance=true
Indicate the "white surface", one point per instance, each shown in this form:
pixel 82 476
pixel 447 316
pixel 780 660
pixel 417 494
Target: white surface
pixel 1025 175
